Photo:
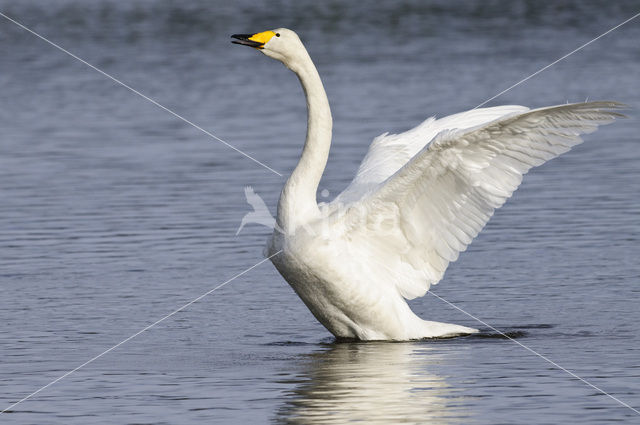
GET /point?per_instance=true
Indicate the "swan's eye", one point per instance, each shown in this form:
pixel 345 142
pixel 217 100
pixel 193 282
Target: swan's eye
pixel 277 34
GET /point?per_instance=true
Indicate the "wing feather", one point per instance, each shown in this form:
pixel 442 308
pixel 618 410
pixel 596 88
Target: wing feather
pixel 445 194
pixel 390 152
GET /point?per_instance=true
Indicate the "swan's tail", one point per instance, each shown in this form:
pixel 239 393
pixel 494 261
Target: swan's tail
pixel 430 329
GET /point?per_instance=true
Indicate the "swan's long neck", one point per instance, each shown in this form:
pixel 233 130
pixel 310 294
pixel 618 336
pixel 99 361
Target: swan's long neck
pixel 298 203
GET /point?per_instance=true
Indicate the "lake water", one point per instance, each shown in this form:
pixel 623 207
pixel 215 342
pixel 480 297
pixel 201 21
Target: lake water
pixel 114 213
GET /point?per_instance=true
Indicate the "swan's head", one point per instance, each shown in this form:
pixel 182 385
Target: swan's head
pixel 281 44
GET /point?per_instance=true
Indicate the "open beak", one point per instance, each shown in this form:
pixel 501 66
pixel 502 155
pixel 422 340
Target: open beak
pixel 245 40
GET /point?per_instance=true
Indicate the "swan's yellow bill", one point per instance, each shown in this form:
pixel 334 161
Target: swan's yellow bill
pixel 262 37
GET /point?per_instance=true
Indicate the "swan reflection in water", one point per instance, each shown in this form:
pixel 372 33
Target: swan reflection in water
pixel 371 383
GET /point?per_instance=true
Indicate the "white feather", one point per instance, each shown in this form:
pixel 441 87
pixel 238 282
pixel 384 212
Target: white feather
pixel 445 194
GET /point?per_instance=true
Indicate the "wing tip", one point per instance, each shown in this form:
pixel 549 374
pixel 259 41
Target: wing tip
pixel 609 106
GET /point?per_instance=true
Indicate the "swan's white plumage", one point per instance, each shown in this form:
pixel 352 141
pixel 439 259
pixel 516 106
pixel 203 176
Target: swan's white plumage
pixel 417 201
pixel 389 152
pixel 445 194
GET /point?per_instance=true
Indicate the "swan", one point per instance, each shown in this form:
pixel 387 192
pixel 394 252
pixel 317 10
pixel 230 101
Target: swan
pixel 417 200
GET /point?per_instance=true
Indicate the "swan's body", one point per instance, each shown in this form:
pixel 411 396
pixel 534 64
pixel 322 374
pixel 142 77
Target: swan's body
pixel 416 202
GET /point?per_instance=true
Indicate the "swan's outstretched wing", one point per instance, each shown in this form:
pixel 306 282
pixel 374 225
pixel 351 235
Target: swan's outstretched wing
pixel 424 215
pixel 389 152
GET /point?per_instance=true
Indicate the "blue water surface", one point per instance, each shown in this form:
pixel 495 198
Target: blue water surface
pixel 114 213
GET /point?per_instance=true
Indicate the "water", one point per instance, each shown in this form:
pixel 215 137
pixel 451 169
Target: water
pixel 113 213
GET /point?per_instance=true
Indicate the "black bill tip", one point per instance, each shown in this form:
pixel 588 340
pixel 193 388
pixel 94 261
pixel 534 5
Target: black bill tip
pixel 243 39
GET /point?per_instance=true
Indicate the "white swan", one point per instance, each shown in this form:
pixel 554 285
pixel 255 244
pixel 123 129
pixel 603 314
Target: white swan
pixel 416 202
